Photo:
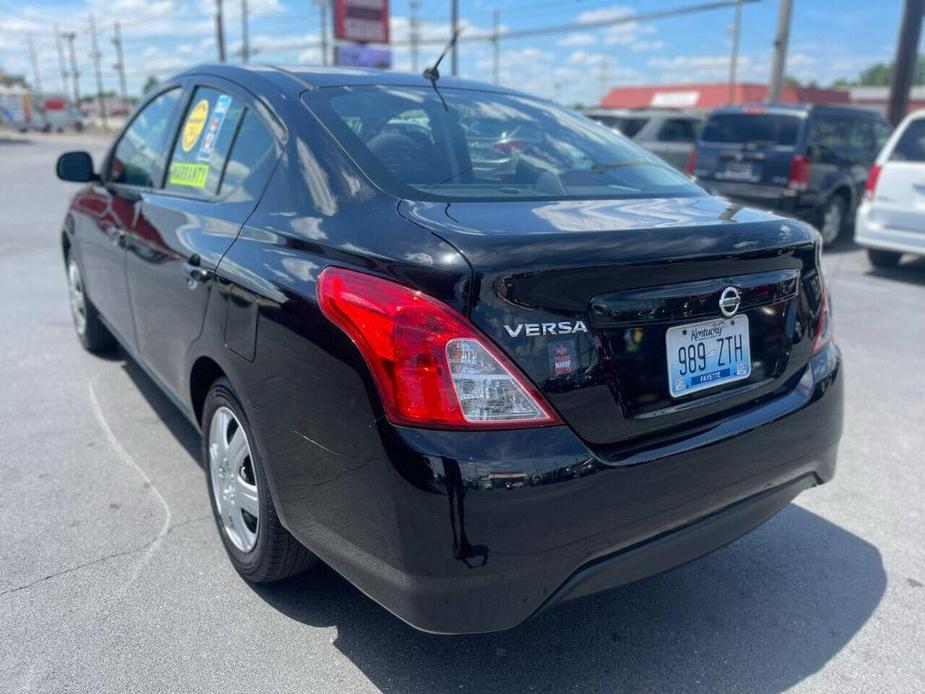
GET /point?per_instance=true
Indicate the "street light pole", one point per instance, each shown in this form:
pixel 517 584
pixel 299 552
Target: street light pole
pixel 219 31
pixel 245 38
pixel 780 49
pixel 99 75
pixel 904 64
pixel 734 58
pixel 454 26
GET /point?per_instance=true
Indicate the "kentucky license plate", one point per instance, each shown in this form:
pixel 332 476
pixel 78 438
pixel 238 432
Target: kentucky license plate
pixel 707 354
pixel 739 170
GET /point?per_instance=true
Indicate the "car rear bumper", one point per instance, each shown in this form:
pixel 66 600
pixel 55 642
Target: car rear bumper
pixel 871 233
pixel 478 531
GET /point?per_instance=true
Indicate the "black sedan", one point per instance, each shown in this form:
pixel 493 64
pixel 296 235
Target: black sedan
pixel 475 376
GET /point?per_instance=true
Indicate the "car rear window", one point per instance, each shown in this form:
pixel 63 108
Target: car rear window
pixel 911 144
pixel 752 128
pixel 461 144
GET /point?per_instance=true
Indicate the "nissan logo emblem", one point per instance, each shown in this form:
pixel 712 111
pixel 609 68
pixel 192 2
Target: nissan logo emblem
pixel 729 301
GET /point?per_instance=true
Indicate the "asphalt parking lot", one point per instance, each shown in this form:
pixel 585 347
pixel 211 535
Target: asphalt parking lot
pixel 113 578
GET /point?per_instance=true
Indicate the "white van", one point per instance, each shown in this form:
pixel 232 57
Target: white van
pixel 891 218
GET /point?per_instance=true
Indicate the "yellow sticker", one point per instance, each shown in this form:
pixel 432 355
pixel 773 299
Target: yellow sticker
pixel 195 122
pixel 192 175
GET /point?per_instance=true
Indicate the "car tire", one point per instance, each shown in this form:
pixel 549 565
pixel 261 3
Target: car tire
pixel 883 259
pixel 92 333
pixel 259 547
pixel 834 219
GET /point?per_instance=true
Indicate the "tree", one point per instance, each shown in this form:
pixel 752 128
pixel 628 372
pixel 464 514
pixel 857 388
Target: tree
pixel 879 75
pixel 149 84
pixel 10 80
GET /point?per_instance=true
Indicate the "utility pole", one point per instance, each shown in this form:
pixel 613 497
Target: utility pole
pixel 496 50
pixel 904 64
pixel 454 26
pixel 99 76
pixel 734 58
pixel 323 9
pixel 245 38
pixel 219 31
pixel 120 61
pixel 61 63
pixel 414 32
pixel 780 49
pixel 69 36
pixel 35 65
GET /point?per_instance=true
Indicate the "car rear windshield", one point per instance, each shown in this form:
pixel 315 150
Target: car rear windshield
pixel 752 128
pixel 462 144
pixel 911 144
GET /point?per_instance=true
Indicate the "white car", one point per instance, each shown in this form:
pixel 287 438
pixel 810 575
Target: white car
pixel 891 218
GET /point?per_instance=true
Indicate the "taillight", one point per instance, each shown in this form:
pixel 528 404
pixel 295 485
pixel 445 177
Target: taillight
pixel 691 163
pixel 824 327
pixel 798 178
pixel 432 367
pixel 871 186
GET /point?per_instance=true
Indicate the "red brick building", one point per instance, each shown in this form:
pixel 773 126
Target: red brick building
pixel 710 96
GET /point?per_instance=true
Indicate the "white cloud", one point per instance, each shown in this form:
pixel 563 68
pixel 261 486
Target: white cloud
pixel 577 39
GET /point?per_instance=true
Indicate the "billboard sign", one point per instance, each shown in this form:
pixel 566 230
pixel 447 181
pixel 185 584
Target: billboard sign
pixel 358 55
pixel 362 21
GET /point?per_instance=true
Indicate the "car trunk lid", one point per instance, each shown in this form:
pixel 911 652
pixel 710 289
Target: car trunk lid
pixel 581 295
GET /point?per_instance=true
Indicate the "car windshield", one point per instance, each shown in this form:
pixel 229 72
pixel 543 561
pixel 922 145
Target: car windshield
pixel 461 144
pixel 752 128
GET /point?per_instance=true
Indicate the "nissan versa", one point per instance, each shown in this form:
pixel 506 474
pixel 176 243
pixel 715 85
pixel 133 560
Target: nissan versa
pixel 474 351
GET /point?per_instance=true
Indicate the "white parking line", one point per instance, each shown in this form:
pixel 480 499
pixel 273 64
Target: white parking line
pixel 127 458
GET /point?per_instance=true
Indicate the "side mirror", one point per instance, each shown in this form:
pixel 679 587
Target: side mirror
pixel 76 167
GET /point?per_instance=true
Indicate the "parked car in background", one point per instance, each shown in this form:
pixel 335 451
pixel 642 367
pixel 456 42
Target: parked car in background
pixel 802 160
pixel 891 218
pixel 669 134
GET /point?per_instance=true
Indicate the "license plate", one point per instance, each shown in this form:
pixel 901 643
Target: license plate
pixel 739 169
pixel 707 354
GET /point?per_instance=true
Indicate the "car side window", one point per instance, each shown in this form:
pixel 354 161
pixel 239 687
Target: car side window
pixel 202 144
pixel 861 139
pixel 829 134
pixel 253 151
pixel 677 130
pixel 135 157
pixel 911 144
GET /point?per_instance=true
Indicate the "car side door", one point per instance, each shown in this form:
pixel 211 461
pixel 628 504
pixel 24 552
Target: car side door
pixel 221 157
pixel 673 141
pixel 111 205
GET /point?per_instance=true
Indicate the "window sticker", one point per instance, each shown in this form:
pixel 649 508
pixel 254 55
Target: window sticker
pixel 215 125
pixel 195 122
pixel 191 175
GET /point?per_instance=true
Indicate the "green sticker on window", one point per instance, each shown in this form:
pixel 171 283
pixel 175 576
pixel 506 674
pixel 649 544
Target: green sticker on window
pixel 192 175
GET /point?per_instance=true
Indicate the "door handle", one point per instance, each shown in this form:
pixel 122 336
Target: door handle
pixel 117 236
pixel 195 273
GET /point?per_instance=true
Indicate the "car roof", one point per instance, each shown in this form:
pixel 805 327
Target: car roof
pixel 799 109
pixel 297 78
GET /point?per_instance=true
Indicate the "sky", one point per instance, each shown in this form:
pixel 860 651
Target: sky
pixel 829 39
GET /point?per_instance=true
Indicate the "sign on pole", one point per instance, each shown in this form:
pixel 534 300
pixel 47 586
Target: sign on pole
pixel 363 21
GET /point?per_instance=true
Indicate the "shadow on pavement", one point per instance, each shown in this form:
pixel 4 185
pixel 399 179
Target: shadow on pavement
pixel 907 271
pixel 179 426
pixel 759 615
